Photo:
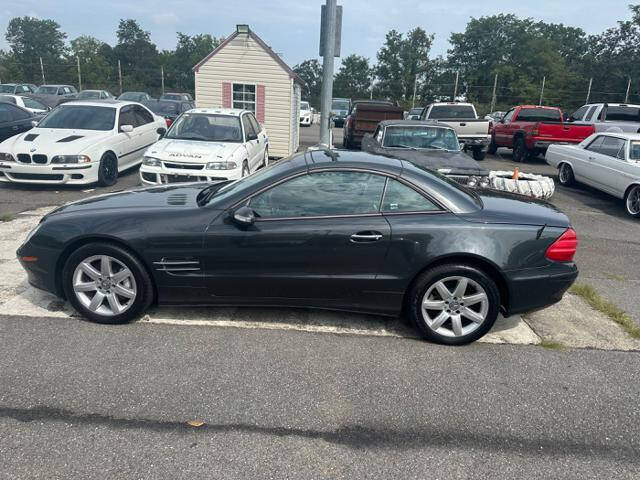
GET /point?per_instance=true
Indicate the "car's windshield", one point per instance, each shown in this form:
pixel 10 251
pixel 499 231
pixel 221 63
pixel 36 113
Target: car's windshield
pixel 634 151
pixel 435 138
pixel 415 111
pixel 623 114
pixel 304 106
pixel 80 117
pixel 451 111
pixel 47 90
pixel 171 96
pixel 88 94
pixel 132 96
pixel 6 88
pixel 205 127
pixel 163 108
pixel 340 105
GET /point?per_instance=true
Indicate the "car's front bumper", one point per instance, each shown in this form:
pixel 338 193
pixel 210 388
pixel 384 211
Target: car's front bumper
pixel 164 175
pixel 72 174
pixel 537 288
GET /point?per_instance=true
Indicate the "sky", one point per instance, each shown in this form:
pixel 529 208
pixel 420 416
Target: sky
pixel 292 27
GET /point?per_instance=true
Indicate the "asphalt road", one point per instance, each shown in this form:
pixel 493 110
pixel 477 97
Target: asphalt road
pixel 87 401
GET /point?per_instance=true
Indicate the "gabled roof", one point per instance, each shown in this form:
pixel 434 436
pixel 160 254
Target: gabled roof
pixel 264 46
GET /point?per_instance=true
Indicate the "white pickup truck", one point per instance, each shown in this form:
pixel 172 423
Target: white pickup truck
pixel 609 117
pixel 473 132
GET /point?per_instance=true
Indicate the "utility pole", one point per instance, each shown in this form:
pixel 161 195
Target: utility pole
pixel 493 96
pixel 455 88
pixel 42 71
pixel 79 75
pixel 626 97
pixel 544 79
pixel 589 91
pixel 162 77
pixel 328 50
pixel 415 86
pixel 120 76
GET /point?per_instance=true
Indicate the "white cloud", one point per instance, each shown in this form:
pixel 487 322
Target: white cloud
pixel 165 18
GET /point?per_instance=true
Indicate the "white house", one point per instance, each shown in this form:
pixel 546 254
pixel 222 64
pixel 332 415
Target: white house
pixel 243 72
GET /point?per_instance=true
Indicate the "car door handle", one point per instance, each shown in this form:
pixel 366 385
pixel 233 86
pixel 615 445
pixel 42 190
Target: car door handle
pixel 362 237
pixel 15 127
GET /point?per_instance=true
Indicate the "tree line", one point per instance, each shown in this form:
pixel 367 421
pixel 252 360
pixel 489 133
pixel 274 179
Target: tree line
pixel 514 54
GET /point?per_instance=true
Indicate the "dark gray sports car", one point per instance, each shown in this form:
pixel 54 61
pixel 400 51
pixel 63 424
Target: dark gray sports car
pixel 325 229
pixel 429 144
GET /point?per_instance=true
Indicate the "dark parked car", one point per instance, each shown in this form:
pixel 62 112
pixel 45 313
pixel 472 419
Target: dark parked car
pixel 428 144
pixel 169 109
pixel 325 229
pixel 135 96
pixel 14 120
pixel 177 96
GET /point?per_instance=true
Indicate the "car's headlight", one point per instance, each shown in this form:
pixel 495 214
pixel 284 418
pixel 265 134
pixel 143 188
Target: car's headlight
pixel 472 182
pixel 150 162
pixel 484 182
pixel 222 166
pixel 6 157
pixel 70 159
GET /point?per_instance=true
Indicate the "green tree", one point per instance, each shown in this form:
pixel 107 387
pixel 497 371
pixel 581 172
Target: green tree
pixel 310 71
pixel 189 51
pixel 139 57
pixel 30 39
pixel 353 79
pixel 95 63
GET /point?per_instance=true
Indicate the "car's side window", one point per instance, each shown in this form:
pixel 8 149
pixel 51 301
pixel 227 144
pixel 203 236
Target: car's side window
pixel 321 194
pixel 254 123
pixel 378 135
pixel 143 117
pixel 508 116
pixel 579 114
pixel 5 113
pixel 590 113
pixel 126 117
pixel 31 103
pixel 248 128
pixel 596 144
pixel 612 146
pixel 399 197
pixel 18 113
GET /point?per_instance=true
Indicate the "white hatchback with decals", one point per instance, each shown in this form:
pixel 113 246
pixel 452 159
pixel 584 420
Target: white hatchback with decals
pixel 207 144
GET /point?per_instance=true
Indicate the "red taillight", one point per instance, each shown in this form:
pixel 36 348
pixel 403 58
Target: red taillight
pixel 564 248
pixel 169 122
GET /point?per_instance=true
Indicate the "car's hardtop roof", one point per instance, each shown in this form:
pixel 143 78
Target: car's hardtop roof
pixel 231 112
pixel 91 90
pixel 609 104
pixel 56 85
pixel 345 158
pixel 13 84
pixel 176 93
pixel 384 102
pixel 623 135
pixel 414 123
pixel 539 107
pixel 109 102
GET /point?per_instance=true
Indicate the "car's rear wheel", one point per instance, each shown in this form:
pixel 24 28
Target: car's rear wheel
pixel 565 174
pixel 493 148
pixel 108 170
pixel 478 154
pixel 106 283
pixel 632 201
pixel 245 169
pixel 520 152
pixel 265 160
pixel 454 304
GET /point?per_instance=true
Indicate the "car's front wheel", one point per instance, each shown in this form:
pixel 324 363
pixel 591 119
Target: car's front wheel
pixel 454 304
pixel 108 170
pixel 106 283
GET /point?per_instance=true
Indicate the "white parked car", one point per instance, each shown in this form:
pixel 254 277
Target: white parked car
pixel 81 143
pixel 608 161
pixel 207 144
pixel 306 114
pixel 31 104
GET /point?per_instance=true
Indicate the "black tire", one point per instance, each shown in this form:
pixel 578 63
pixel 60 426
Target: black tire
pixel 565 174
pixel 632 201
pixel 265 161
pixel 520 151
pixel 108 170
pixel 144 285
pixel 478 154
pixel 245 169
pixel 428 279
pixel 493 148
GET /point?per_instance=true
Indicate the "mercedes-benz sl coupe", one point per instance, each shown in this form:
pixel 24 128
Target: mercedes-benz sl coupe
pixel 325 229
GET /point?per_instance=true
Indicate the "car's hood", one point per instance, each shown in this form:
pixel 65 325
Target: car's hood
pixel 168 196
pixel 55 141
pixel 192 150
pixel 305 112
pixel 447 163
pixel 516 209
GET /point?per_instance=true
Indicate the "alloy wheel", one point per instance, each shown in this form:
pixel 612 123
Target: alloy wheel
pixel 564 175
pixel 455 306
pixel 109 170
pixel 633 201
pixel 266 158
pixel 104 285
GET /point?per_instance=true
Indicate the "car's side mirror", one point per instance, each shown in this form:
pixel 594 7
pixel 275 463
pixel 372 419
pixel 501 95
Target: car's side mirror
pixel 161 131
pixel 251 136
pixel 34 123
pixel 244 216
pixel 126 128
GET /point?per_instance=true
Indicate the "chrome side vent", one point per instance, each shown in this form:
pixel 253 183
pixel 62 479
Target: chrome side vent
pixel 178 266
pixel 177 199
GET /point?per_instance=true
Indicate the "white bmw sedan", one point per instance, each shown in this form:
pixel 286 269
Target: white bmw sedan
pixel 608 161
pixel 207 144
pixel 81 143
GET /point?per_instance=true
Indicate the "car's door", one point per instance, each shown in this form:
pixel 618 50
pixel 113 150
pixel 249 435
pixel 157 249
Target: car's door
pixel 605 170
pixel 126 144
pixel 13 120
pixel 262 136
pixel 501 128
pixel 316 236
pixel 146 126
pixel 252 143
pixel 584 158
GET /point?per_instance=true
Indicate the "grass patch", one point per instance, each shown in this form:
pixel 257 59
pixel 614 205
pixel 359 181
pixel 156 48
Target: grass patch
pixel 613 276
pixel 589 294
pixel 551 345
pixel 7 217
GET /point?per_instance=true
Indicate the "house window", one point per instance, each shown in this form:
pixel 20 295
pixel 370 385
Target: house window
pixel 244 96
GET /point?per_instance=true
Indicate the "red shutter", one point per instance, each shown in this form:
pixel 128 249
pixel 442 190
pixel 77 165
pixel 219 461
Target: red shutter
pixel 260 104
pixel 226 95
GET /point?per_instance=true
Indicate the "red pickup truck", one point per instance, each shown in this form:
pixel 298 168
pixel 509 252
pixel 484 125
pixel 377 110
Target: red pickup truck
pixel 529 130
